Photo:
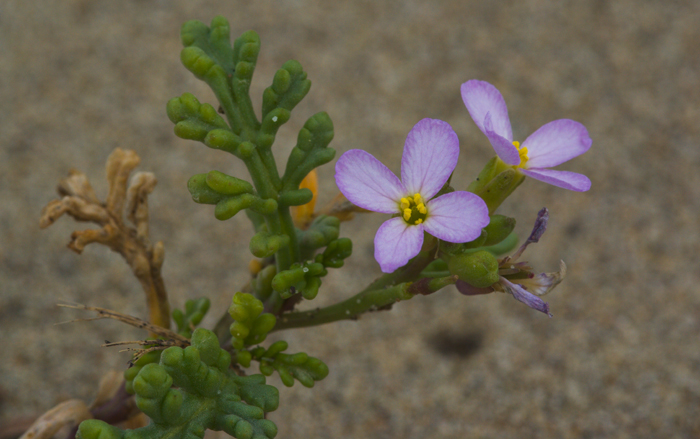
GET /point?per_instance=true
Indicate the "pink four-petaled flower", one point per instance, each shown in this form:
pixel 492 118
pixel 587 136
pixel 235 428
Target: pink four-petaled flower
pixel 429 157
pixel 552 144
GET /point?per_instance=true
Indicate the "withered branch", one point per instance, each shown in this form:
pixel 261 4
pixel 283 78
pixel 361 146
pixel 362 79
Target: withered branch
pixel 103 313
pixel 130 240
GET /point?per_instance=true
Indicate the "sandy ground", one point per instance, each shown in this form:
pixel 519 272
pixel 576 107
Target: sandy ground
pixel 620 358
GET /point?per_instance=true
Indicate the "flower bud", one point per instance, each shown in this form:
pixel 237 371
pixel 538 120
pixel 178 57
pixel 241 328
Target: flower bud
pixel 498 229
pixel 479 269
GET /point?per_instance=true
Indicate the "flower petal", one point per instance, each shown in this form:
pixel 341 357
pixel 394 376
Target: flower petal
pixel 482 98
pixel 456 217
pixel 564 179
pixel 396 243
pixel 429 157
pixel 522 295
pixel 367 183
pixel 555 143
pixel 503 147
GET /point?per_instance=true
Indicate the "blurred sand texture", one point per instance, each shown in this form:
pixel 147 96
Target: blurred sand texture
pixel 620 358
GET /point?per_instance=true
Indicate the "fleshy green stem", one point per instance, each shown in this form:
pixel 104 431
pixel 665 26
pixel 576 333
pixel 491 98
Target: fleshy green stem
pixel 349 309
pixel 385 291
pixel 287 226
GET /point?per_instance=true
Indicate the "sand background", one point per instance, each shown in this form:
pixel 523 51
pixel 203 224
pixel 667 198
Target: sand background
pixel 620 358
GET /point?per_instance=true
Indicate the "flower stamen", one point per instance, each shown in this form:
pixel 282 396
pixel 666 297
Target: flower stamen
pixel 522 151
pixel 413 209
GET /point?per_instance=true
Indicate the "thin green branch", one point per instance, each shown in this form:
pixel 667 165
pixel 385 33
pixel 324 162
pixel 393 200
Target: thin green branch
pixel 349 309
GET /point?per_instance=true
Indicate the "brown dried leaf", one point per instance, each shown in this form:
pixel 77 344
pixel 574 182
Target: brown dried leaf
pixel 72 412
pixel 142 184
pixel 119 166
pixel 81 238
pixel 77 184
pixel 77 207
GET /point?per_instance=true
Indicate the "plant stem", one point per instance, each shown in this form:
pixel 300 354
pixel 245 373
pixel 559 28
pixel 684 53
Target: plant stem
pixel 348 309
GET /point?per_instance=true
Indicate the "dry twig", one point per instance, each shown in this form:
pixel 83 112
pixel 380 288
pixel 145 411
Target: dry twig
pixel 132 242
pixel 103 313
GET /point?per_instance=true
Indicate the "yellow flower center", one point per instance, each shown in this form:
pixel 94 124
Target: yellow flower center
pixel 522 151
pixel 413 209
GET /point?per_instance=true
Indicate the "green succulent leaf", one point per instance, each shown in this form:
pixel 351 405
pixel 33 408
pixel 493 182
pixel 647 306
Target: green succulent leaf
pixel 304 278
pixel 193 390
pixel 227 70
pixel 229 194
pixel 296 197
pixel 311 150
pixel 194 120
pixel 262 284
pixel 305 369
pixel 215 42
pixel 130 373
pixel 264 244
pixel 288 88
pixel 250 325
pixel 195 310
pixel 335 253
pixel 322 231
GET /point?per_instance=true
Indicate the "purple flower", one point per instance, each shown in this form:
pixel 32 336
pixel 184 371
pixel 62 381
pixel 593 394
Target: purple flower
pixel 429 157
pixel 554 143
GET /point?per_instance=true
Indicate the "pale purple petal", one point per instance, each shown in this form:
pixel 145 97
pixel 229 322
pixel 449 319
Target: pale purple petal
pixel 564 179
pixel 482 98
pixel 429 157
pixel 456 217
pixel 396 243
pixel 367 183
pixel 537 232
pixel 555 143
pixel 524 296
pixel 503 147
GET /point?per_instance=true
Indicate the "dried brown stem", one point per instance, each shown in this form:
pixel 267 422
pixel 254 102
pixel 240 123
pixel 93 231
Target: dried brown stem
pixel 131 241
pixel 103 313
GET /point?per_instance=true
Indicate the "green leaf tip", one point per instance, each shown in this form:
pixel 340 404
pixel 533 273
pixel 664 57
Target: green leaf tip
pixel 192 390
pixel 245 55
pixel 213 42
pixel 320 233
pixel 193 120
pixel 288 88
pixel 229 194
pixel 195 310
pixel 301 278
pixel 296 197
pixel 130 373
pixel 311 150
pixel 335 254
pixel 305 369
pixel 250 325
pixel 264 244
